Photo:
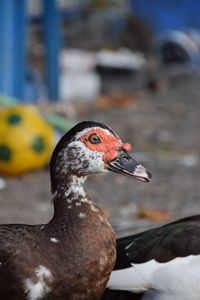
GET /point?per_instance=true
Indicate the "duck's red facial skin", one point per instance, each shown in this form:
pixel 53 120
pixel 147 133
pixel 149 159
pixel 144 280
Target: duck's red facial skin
pixel 127 147
pixel 108 144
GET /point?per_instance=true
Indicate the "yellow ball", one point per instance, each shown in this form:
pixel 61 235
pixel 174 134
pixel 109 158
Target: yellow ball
pixel 26 140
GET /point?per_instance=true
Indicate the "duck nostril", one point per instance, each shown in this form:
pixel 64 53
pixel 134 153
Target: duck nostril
pixel 125 157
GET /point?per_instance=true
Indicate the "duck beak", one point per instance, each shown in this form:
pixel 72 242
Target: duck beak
pixel 124 164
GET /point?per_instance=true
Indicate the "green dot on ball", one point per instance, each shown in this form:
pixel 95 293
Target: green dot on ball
pixel 5 153
pixel 14 119
pixel 38 144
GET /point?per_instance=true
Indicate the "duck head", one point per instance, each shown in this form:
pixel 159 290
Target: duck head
pixel 92 147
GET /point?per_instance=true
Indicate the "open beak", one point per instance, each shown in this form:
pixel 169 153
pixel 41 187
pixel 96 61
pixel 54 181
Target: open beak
pixel 124 164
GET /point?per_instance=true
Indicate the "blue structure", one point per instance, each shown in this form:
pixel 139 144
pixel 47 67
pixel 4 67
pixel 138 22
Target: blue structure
pixel 169 14
pixel 13 68
pixel 13 46
pixel 52 42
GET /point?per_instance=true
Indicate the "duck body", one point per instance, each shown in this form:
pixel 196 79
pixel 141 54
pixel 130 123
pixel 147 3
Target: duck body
pixel 163 263
pixel 37 269
pixel 73 255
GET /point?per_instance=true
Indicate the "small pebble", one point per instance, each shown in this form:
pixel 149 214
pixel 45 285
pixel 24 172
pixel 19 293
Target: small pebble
pixel 2 183
pixel 188 160
pixel 42 206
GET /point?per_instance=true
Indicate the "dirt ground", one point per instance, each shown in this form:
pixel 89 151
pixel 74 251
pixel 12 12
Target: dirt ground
pixel 164 128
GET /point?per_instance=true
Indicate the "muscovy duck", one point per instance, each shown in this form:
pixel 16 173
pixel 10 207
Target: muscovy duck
pixel 73 255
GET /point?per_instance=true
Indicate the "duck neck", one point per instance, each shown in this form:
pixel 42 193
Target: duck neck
pixel 66 193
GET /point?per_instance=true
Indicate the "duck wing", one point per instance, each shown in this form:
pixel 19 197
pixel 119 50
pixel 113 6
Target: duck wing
pixel 176 239
pixel 159 258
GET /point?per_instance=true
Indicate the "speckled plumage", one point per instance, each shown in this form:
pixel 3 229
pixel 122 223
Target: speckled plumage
pixel 73 255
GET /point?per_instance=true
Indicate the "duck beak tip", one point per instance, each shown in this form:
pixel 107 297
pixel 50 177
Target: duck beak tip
pixel 124 164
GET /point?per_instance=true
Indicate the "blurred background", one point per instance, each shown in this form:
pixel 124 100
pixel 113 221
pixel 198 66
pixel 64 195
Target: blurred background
pixel 133 65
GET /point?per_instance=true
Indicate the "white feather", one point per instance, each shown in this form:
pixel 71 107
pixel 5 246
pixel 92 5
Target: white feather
pixel 178 279
pixel 36 291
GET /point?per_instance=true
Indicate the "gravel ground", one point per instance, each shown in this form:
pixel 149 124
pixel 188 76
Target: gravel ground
pixel 163 126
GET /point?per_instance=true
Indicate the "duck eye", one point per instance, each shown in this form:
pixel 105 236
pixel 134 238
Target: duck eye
pixel 94 139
